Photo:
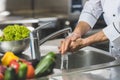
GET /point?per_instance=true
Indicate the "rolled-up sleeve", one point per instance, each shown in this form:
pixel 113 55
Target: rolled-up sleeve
pixel 91 12
pixel 113 32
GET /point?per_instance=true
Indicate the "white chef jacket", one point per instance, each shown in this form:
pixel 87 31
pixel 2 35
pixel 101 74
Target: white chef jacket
pixel 111 13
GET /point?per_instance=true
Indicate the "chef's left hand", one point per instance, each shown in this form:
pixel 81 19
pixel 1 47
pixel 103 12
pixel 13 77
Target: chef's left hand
pixel 77 44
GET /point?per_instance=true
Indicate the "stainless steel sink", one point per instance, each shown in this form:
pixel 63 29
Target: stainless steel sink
pixel 84 58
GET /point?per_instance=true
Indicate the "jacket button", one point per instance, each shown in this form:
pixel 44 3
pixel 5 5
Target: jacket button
pixel 112 46
pixel 119 49
pixel 113 15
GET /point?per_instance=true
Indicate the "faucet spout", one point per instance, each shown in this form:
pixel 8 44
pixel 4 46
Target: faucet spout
pixel 55 34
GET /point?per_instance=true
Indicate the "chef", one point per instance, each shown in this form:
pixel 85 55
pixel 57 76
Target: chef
pixel 89 16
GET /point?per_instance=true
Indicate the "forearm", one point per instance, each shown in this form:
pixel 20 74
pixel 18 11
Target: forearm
pixel 98 37
pixel 81 28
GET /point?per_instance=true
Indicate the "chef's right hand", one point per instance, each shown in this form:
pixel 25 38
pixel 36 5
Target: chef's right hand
pixel 65 44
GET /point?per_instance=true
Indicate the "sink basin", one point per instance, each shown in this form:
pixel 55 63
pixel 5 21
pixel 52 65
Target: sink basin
pixel 84 58
pixel 87 56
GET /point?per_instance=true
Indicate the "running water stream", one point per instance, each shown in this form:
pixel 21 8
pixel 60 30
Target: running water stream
pixel 64 61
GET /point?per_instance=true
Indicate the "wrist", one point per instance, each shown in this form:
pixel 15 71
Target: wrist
pixel 75 34
pixel 87 41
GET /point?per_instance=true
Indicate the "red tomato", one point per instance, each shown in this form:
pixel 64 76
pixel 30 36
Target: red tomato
pixel 25 61
pixel 30 72
pixel 15 65
pixel 1 76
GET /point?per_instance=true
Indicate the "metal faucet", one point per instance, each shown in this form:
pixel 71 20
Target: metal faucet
pixel 34 38
pixel 35 42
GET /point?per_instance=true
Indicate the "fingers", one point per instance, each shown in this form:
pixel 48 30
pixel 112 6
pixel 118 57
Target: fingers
pixel 67 45
pixel 73 38
pixel 76 45
pixel 64 46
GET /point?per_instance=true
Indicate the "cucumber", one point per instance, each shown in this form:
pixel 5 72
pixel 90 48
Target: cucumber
pixel 10 74
pixel 45 63
pixel 22 71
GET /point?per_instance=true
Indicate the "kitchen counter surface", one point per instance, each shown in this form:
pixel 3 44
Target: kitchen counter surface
pixel 110 73
pixel 101 74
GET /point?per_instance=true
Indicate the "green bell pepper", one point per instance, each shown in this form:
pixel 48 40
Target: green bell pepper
pixel 22 71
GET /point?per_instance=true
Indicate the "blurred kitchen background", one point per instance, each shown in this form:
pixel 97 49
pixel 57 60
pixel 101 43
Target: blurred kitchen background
pixel 65 10
pixel 62 13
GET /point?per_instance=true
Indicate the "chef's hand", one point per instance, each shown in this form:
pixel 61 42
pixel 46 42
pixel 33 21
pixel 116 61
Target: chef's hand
pixel 65 44
pixel 83 42
pixel 77 44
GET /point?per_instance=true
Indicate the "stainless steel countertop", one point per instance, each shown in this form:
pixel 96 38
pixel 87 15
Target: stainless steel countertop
pixel 101 74
pixel 17 20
